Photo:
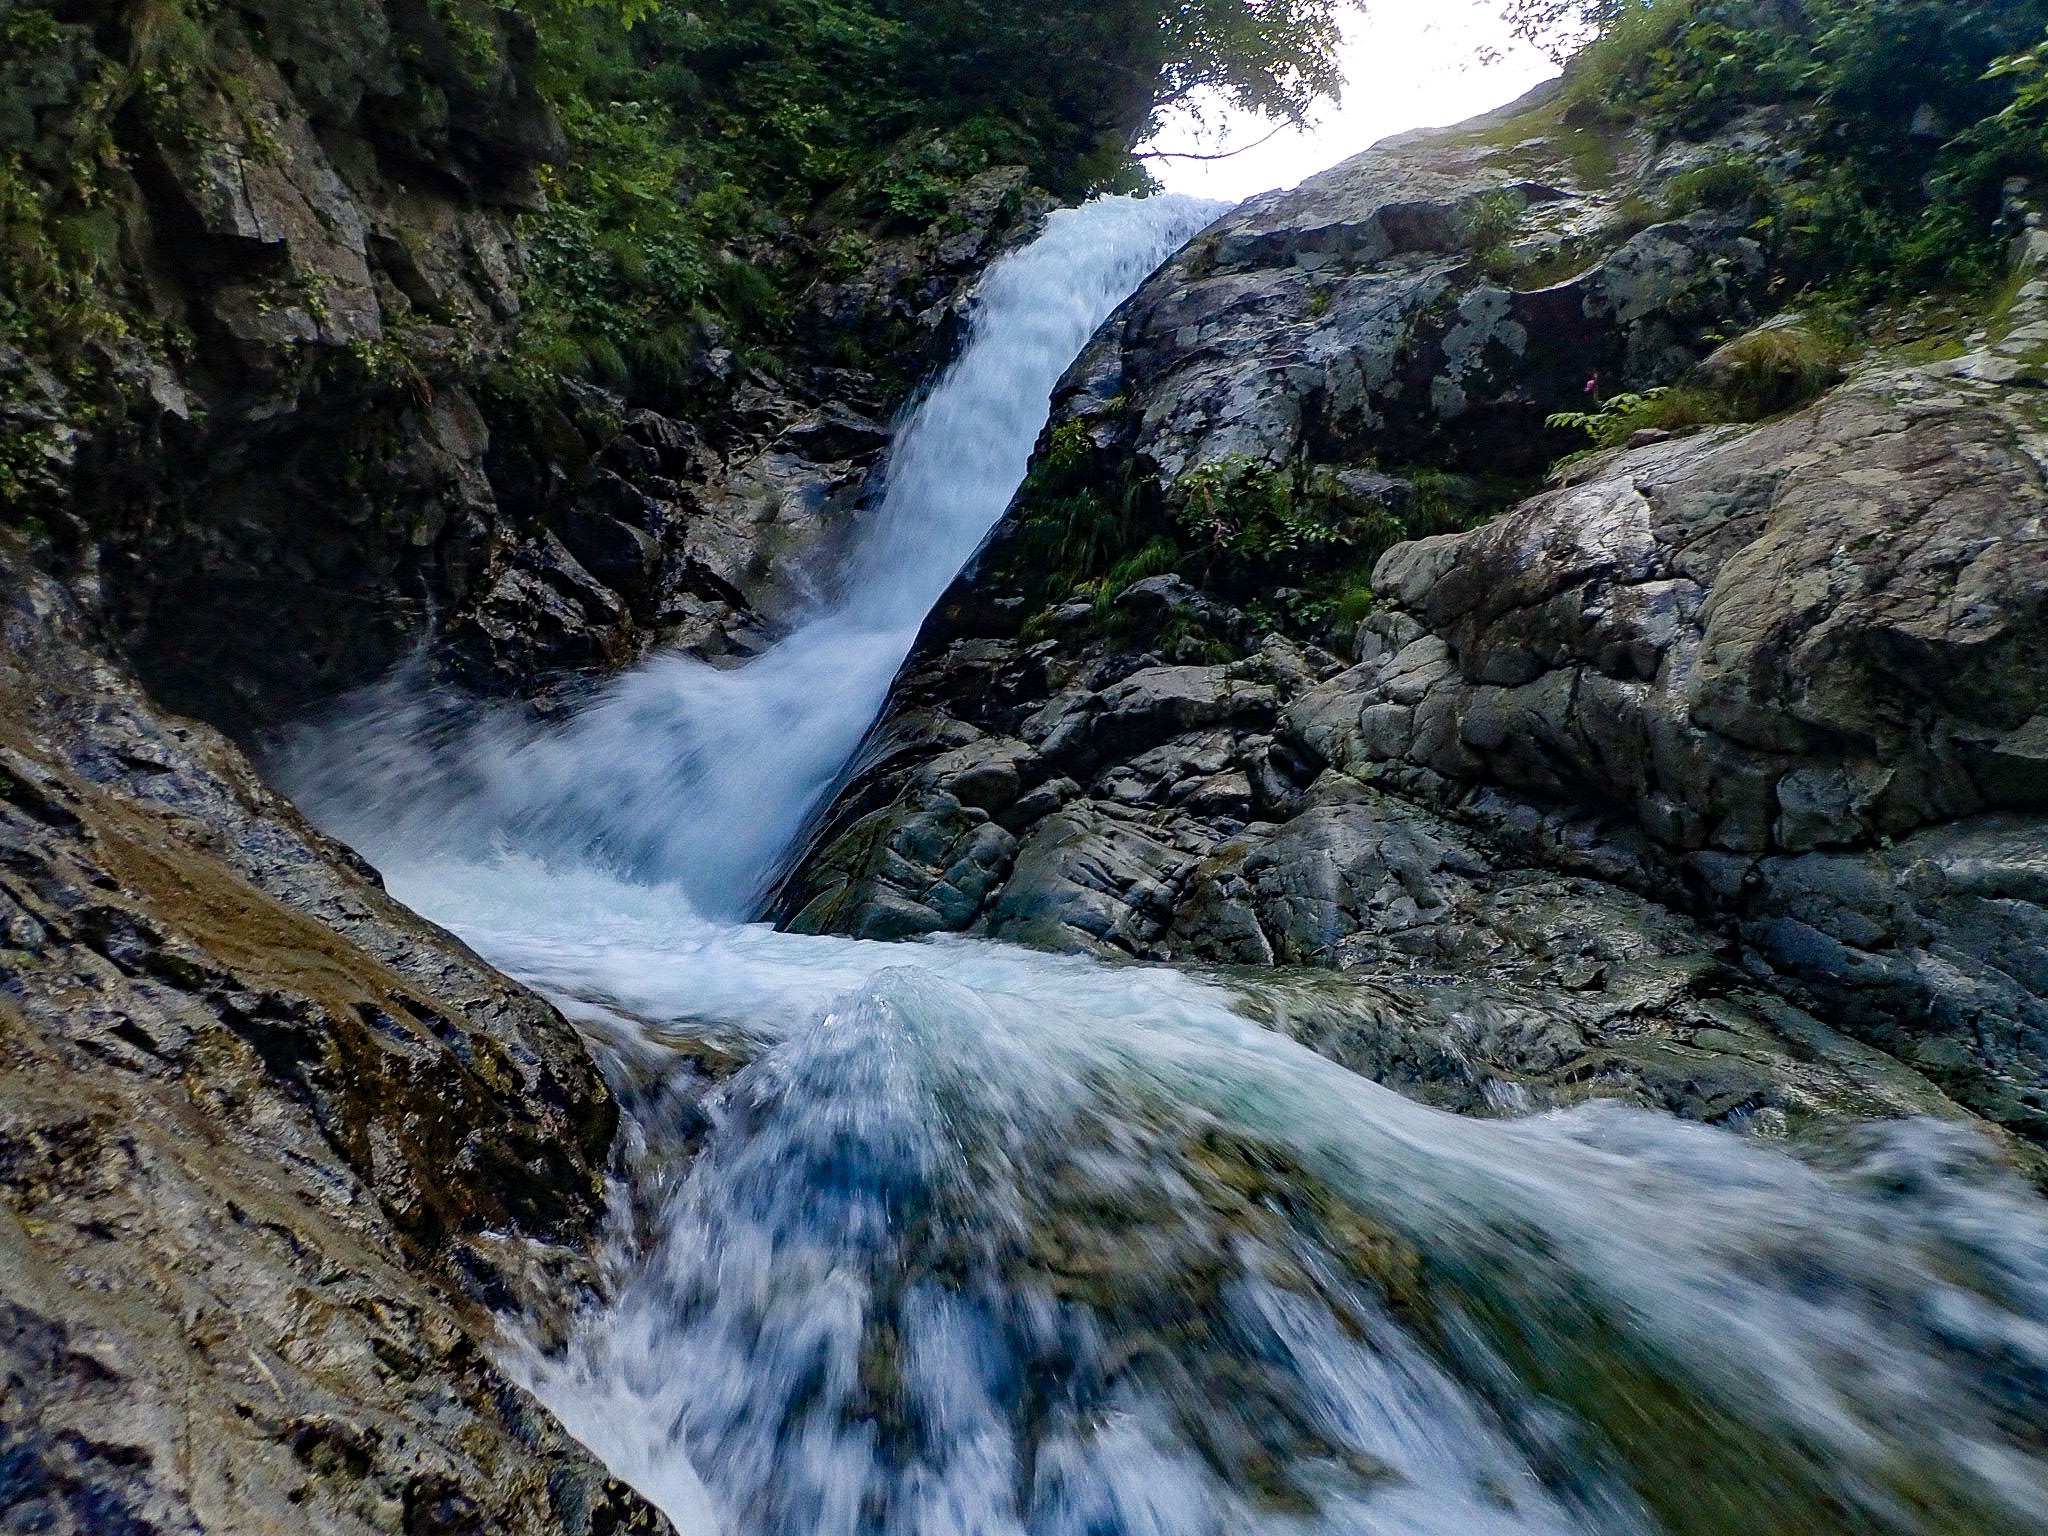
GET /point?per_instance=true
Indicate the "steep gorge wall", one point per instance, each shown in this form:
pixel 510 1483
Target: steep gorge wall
pixel 248 425
pixel 272 1151
pixel 275 1155
pixel 270 271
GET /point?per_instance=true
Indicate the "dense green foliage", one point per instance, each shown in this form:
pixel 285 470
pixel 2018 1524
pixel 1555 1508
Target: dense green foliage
pixel 1923 109
pixel 1295 547
pixel 724 158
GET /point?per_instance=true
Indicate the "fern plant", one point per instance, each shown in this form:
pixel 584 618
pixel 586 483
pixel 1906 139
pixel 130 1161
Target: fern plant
pixel 1621 417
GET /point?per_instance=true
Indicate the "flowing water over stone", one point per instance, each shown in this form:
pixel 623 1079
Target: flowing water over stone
pixel 953 1238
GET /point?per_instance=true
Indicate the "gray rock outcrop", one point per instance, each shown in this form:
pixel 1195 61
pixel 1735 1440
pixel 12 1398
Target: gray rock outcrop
pixel 1799 672
pixel 1755 709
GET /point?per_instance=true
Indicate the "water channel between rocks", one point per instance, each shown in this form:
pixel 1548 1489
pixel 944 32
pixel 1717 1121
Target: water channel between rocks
pixel 954 1239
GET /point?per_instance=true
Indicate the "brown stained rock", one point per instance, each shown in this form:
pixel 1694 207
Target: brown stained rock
pixel 270 1148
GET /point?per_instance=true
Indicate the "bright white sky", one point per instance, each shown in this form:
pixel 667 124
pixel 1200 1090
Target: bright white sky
pixel 1409 63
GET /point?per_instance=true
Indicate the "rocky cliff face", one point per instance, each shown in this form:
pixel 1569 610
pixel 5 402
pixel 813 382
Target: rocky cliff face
pixel 1790 677
pixel 266 464
pixel 250 401
pixel 1752 710
pixel 271 1150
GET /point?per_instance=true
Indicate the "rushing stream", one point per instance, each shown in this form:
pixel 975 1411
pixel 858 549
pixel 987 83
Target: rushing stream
pixel 950 1239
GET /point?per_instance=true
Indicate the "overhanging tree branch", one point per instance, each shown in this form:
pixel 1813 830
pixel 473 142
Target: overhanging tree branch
pixel 1228 154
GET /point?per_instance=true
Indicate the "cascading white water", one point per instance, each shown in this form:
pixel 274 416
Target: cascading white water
pixel 701 777
pixel 983 1241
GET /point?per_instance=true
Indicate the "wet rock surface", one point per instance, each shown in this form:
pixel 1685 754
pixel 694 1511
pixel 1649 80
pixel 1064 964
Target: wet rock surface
pixel 297 461
pixel 1789 677
pixel 275 1154
pixel 1470 975
pixel 1625 792
pixel 271 1151
pixel 1710 782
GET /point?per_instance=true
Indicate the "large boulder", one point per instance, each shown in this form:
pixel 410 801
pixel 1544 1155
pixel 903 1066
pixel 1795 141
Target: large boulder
pixel 1403 306
pixel 1815 634
pixel 272 1150
pixel 1795 675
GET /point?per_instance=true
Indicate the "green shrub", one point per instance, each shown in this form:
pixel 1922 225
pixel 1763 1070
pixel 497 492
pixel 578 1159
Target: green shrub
pixel 1493 218
pixel 1157 557
pixel 1620 417
pixel 1622 37
pixel 1773 369
pixel 1729 184
pixel 1296 554
pixel 28 460
pixel 1078 522
pixel 1491 222
pixel 54 297
pixel 1922 110
pixel 1239 512
pixel 1354 605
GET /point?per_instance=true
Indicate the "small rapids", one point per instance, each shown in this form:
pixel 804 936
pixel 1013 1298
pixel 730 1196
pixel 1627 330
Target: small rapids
pixel 952 1239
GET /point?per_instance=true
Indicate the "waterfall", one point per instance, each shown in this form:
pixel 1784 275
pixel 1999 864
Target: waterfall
pixel 699 776
pixel 951 1239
